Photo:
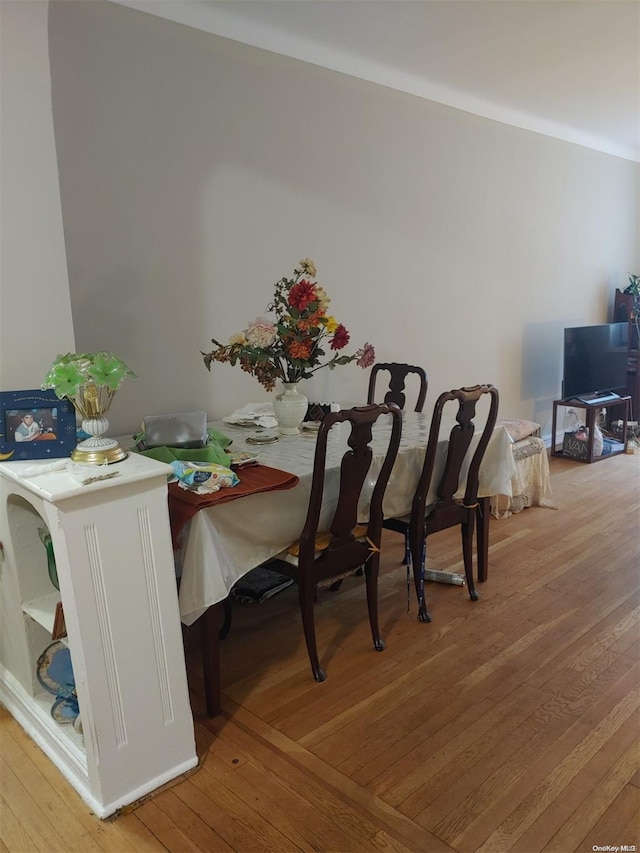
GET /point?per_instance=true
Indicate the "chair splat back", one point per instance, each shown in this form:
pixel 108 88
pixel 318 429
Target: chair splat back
pixel 460 440
pixel 343 546
pixel 354 470
pixel 447 511
pixel 398 375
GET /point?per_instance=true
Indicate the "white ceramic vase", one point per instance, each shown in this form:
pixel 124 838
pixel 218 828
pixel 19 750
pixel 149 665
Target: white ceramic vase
pixel 290 407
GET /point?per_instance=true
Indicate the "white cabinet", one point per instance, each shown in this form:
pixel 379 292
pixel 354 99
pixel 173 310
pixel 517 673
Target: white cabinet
pixel 114 560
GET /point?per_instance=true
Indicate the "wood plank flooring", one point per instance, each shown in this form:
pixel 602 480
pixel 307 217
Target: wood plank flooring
pixel 507 724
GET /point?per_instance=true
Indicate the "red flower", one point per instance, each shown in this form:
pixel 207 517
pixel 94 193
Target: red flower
pixel 340 338
pixel 302 293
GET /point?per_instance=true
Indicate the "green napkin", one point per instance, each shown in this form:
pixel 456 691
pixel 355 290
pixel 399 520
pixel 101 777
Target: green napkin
pixel 212 452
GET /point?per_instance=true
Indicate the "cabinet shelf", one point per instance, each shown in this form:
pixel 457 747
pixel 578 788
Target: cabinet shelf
pixel 43 609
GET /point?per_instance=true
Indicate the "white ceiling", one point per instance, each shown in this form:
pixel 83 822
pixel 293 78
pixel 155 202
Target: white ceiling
pixel 566 68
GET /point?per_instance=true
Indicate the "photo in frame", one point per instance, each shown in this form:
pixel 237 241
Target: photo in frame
pixel 35 424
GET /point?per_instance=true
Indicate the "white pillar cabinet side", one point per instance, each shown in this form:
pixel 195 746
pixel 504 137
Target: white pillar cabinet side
pixel 114 560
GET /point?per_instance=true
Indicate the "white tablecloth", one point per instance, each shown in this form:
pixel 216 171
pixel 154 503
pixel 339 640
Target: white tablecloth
pixel 222 543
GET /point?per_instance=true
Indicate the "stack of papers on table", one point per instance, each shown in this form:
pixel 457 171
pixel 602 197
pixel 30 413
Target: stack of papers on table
pixel 253 414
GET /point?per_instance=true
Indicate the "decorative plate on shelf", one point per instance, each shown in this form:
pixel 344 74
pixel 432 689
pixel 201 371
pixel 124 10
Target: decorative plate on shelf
pixel 65 710
pixel 53 669
pixel 55 674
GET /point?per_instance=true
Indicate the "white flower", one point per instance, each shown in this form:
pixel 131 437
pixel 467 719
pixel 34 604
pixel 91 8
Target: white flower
pixel 261 333
pixel 307 265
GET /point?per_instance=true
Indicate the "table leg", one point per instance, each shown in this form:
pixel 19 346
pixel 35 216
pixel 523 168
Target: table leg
pixel 482 534
pixel 211 623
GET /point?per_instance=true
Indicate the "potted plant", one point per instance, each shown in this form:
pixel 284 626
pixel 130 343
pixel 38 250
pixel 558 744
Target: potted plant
pixel 633 290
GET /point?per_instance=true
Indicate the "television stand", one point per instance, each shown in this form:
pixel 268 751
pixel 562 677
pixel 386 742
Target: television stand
pixel 592 408
pixel 598 398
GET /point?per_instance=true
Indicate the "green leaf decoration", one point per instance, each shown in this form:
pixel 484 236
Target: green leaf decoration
pixel 108 370
pixel 65 379
pixel 71 371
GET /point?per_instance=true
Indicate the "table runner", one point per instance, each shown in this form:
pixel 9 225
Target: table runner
pixel 183 504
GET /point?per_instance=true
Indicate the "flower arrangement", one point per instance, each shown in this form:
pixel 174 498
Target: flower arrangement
pixel 88 379
pixel 290 347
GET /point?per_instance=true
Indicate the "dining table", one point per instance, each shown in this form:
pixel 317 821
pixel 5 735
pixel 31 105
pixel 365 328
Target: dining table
pixel 223 542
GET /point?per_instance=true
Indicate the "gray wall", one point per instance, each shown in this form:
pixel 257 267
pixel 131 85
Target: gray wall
pixel 196 171
pixel 35 310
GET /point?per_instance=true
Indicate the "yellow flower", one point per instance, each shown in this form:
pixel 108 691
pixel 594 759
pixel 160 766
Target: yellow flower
pixel 323 299
pixel 238 338
pixel 332 325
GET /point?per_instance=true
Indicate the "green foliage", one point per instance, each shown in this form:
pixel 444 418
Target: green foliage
pixel 633 287
pixel 70 372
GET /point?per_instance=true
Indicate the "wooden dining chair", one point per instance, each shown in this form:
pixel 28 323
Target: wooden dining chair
pixel 397 379
pixel 338 548
pixel 447 510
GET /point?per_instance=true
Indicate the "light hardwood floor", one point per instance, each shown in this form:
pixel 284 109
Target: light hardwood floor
pixel 508 724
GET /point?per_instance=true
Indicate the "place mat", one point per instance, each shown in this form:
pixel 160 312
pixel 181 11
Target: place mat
pixel 183 505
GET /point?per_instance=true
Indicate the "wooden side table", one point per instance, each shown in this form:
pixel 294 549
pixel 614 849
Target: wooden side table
pixel 592 410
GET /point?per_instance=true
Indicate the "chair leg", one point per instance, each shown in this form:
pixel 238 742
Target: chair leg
pixel 371 572
pixel 484 513
pixel 419 560
pixel 407 550
pixel 409 573
pixel 306 597
pixel 467 553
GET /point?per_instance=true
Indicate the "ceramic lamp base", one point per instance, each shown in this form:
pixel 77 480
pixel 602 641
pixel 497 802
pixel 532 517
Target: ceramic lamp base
pixel 99 451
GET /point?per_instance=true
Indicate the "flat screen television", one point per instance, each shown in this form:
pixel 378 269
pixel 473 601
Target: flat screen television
pixel 595 360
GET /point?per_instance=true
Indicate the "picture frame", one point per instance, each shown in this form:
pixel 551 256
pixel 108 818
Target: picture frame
pixel 35 424
pixel 59 625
